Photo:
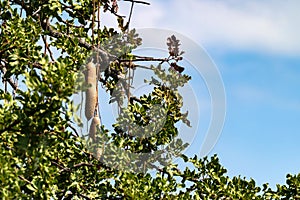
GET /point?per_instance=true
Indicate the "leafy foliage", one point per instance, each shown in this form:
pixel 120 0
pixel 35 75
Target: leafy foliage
pixel 44 44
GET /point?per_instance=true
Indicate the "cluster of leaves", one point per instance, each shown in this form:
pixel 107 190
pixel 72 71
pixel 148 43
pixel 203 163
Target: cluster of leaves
pixel 43 157
pixel 113 6
pixel 174 52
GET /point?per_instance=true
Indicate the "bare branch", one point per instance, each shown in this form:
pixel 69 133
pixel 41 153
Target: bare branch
pixel 145 58
pixel 36 65
pixel 141 2
pixel 27 181
pixel 75 131
pixel 47 48
pixel 83 164
pixel 130 14
pixel 58 165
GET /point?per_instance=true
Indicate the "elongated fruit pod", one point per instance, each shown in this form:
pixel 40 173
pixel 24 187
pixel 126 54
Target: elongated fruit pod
pixel 92 134
pixel 91 92
pixel 93 128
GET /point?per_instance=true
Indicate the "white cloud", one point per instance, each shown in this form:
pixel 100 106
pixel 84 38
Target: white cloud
pixel 271 26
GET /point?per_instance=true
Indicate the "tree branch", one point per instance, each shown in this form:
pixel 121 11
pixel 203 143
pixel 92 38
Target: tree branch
pixel 27 181
pixel 106 57
pixel 140 58
pixel 83 164
pixel 141 2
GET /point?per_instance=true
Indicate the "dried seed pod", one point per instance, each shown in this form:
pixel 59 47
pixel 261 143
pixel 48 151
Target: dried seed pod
pixel 91 92
pixel 93 128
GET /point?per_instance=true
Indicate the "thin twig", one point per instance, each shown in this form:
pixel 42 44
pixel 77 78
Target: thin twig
pixel 36 65
pixel 15 83
pixel 128 84
pixel 98 17
pixel 36 12
pixel 47 48
pixel 27 181
pixel 21 12
pixel 58 165
pixel 93 22
pixel 46 44
pixel 130 14
pixel 141 2
pixel 83 164
pixel 113 12
pixel 145 58
pixel 5 86
pixel 9 80
pixel 76 133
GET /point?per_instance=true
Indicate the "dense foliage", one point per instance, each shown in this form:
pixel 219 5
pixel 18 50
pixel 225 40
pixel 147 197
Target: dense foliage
pixel 44 45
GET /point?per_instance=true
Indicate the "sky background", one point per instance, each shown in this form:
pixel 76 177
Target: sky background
pixel 256 47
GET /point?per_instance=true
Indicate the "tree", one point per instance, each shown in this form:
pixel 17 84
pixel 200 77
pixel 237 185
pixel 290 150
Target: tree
pixel 44 45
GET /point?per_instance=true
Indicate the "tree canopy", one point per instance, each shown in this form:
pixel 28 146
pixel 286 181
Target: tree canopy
pixel 45 53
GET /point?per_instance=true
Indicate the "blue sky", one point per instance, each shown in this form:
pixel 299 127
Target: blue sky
pixel 256 47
